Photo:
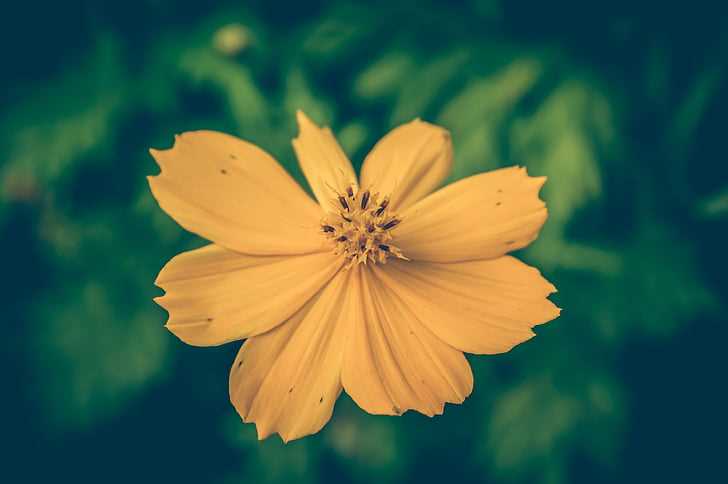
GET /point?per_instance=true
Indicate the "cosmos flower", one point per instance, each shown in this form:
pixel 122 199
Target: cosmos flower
pixel 376 288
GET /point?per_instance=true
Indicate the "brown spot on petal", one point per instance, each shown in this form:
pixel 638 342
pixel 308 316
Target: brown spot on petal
pixel 233 157
pixel 223 171
pixel 321 400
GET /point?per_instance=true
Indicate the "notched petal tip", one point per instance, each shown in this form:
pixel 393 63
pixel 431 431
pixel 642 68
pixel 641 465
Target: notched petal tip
pixel 427 128
pixel 409 162
pixel 322 160
pixel 514 219
pixel 233 193
pixel 165 156
pixel 539 181
pixel 159 157
pixel 552 289
pixel 190 335
pixel 304 122
pixel 180 335
pixel 432 126
pixel 262 432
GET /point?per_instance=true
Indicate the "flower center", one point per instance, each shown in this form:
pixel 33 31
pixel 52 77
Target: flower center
pixel 361 227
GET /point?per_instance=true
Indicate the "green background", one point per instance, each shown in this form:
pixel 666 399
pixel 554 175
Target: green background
pixel 622 104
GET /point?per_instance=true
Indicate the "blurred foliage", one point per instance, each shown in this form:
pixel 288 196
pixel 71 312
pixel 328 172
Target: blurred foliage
pixel 621 109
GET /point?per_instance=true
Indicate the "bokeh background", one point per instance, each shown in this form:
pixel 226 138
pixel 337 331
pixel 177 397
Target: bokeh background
pixel 622 104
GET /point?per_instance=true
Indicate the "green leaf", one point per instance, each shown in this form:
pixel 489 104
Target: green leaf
pixel 534 423
pixel 93 354
pixel 564 139
pixel 715 206
pixel 246 101
pixel 384 76
pixel 476 115
pixel 66 120
pixel 419 91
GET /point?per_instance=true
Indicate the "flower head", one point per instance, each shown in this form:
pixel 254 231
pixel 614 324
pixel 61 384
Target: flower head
pixel 376 288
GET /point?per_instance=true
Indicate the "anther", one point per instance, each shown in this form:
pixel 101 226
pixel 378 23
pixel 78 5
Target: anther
pixel 359 228
pixel 343 203
pixel 364 200
pixel 382 206
pixel 392 223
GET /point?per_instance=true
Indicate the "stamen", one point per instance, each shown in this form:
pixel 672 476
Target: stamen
pixel 343 203
pixel 390 224
pixel 360 235
pixel 364 200
pixel 382 206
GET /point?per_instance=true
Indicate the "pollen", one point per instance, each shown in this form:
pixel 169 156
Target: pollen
pixel 360 227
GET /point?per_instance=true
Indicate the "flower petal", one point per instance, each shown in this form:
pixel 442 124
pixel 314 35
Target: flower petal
pixel 214 295
pixel 480 217
pixel 234 194
pixel 408 163
pixel 322 161
pixel 482 307
pixel 288 379
pixel 393 363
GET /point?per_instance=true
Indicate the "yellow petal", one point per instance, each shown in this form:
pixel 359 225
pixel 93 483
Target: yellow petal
pixel 480 217
pixel 234 194
pixel 214 295
pixel 408 163
pixel 393 363
pixel 322 160
pixel 482 307
pixel 288 379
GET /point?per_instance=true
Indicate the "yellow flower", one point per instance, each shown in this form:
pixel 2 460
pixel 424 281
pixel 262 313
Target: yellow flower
pixel 377 289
